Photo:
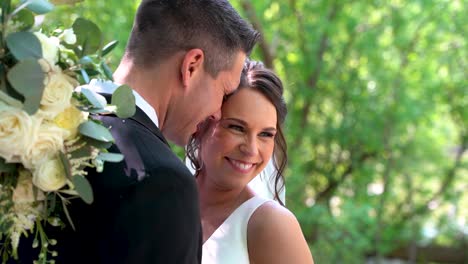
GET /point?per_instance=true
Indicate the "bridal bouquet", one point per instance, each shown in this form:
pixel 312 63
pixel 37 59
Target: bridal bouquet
pixel 47 136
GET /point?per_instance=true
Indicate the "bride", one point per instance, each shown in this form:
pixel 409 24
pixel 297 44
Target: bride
pixel 239 226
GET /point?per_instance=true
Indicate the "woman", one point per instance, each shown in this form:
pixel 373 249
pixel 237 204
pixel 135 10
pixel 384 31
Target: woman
pixel 238 225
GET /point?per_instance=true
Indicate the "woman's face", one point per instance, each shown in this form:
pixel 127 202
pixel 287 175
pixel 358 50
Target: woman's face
pixel 238 147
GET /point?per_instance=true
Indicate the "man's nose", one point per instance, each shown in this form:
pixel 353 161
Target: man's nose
pixel 216 116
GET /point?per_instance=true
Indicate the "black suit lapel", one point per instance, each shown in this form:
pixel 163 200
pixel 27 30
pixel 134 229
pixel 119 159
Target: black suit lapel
pixel 145 121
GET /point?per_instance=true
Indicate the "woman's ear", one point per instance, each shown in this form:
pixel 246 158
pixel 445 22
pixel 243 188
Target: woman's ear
pixel 192 64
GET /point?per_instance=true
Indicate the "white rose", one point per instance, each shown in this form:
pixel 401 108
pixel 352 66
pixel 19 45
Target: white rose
pixel 18 131
pixel 23 193
pixel 68 36
pixel 48 142
pixel 57 94
pixel 50 47
pixel 50 175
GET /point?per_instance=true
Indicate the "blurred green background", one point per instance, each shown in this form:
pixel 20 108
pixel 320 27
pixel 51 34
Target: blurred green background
pixel 378 119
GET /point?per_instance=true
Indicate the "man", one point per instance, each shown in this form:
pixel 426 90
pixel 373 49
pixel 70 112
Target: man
pixel 182 58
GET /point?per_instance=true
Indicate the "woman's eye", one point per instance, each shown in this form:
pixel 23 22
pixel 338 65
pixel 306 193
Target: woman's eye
pixel 267 134
pixel 236 128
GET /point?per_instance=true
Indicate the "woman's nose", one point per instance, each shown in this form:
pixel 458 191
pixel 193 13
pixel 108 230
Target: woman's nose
pixel 249 146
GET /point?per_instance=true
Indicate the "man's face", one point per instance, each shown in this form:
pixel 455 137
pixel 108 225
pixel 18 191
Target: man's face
pixel 204 100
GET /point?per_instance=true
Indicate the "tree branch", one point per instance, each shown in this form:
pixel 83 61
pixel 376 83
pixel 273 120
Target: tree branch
pixel 267 55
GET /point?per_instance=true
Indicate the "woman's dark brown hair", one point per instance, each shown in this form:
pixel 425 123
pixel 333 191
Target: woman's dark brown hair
pixel 255 76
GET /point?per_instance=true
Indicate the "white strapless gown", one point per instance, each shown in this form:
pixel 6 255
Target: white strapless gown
pixel 228 243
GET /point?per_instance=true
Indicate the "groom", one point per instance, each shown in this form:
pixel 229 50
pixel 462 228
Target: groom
pixel 182 58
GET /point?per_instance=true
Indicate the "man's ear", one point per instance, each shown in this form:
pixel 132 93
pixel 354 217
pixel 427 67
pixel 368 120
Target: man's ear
pixel 191 65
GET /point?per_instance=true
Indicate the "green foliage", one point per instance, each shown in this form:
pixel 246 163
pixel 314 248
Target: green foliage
pixel 377 125
pixel 120 98
pixel 24 45
pixel 30 85
pixel 95 131
pixel 88 37
pixel 83 188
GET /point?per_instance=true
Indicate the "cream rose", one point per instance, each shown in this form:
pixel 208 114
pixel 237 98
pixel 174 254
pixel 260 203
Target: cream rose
pixel 57 94
pixel 18 131
pixel 23 193
pixel 50 175
pixel 50 47
pixel 48 142
pixel 70 119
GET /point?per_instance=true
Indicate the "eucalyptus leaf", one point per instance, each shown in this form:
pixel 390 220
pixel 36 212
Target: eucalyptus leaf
pixel 24 45
pixel 107 71
pixel 39 6
pixel 124 100
pixel 66 164
pixel 88 36
pixel 96 143
pixel 67 214
pixel 85 75
pixel 96 131
pixel 85 60
pixel 110 157
pixel 109 47
pixel 27 78
pixel 83 188
pixel 94 98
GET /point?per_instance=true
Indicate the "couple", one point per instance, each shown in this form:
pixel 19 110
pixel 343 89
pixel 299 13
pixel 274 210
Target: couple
pixel 182 59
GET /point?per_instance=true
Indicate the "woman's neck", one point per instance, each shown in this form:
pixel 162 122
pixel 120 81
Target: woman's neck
pixel 217 204
pixel 214 198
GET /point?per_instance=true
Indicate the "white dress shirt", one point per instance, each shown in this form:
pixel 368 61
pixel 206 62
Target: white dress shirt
pixel 108 87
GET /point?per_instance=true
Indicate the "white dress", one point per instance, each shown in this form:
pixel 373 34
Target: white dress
pixel 228 243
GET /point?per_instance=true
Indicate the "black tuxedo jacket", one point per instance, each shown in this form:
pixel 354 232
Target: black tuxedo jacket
pixel 145 208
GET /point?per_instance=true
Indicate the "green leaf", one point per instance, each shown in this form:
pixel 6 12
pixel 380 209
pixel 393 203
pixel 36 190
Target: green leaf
pixel 110 157
pixel 96 143
pixel 124 100
pixel 107 71
pixel 85 60
pixel 94 98
pixel 39 6
pixel 25 18
pixel 85 75
pixel 7 167
pixel 96 131
pixel 82 152
pixel 27 78
pixel 24 45
pixel 109 47
pixel 66 164
pixel 83 188
pixel 67 214
pixel 88 36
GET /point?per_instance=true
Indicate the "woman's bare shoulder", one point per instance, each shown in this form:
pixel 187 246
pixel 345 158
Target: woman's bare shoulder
pixel 275 236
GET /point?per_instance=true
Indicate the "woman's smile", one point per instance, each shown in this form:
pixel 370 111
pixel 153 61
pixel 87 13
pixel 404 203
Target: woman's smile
pixel 241 166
